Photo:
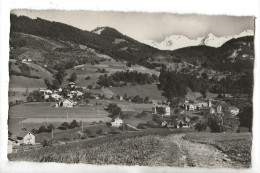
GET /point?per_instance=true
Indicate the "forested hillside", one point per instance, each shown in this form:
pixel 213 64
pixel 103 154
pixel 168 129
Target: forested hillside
pixel 235 55
pixel 107 42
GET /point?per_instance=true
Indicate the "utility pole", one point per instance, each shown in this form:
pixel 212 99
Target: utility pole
pixel 52 133
pixel 67 115
pixel 82 126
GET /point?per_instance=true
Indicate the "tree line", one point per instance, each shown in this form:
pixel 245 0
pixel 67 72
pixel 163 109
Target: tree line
pixel 122 78
pixel 175 84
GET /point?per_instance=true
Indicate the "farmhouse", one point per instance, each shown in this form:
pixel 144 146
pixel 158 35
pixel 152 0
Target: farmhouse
pixel 189 106
pixel 219 109
pixel 117 122
pixel 26 138
pixel 234 110
pixel 72 85
pixel 202 103
pixel 48 91
pixel 157 109
pixel 79 93
pixel 164 124
pixel 56 96
pixel 10 146
pixel 212 111
pixel 183 123
pixel 67 103
pixel 46 97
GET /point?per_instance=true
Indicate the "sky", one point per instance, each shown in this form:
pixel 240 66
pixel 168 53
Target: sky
pixel 148 26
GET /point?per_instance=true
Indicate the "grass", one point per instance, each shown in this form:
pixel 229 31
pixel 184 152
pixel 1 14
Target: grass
pixel 236 145
pixel 25 82
pixel 143 91
pixel 45 109
pixel 33 115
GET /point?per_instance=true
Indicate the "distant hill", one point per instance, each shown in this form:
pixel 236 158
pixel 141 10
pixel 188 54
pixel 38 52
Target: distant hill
pixel 234 55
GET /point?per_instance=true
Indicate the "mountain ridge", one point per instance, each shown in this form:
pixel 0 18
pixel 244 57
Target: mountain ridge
pixel 174 42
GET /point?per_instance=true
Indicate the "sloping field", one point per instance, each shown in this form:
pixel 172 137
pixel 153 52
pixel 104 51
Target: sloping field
pixel 45 109
pixel 143 91
pixel 25 82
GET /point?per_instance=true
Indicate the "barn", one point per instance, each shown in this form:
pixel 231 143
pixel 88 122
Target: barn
pixel 26 137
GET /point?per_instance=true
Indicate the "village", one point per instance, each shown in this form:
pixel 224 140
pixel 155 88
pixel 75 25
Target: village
pixel 185 114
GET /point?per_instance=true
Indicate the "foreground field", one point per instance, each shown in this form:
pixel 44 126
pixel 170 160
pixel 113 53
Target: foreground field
pixel 151 147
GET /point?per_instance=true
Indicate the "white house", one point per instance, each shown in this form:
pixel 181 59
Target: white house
pixel 10 146
pixel 56 96
pixel 72 85
pixel 26 138
pixel 24 61
pixel 117 122
pixel 164 123
pixel 212 111
pixel 79 93
pixel 67 103
pixel 189 107
pixel 29 60
pixel 48 91
pixel 166 108
pixel 234 110
pixel 219 109
pixel 46 97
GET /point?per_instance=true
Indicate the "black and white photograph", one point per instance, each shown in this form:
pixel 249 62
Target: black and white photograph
pixel 153 89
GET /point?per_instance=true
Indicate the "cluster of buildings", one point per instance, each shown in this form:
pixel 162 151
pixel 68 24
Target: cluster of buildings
pixel 64 100
pixel 28 61
pixel 22 138
pixel 196 105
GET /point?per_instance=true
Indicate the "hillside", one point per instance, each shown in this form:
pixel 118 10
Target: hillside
pixel 110 41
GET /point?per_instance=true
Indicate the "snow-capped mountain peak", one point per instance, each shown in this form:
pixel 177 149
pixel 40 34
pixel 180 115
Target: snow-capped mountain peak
pixel 98 30
pixel 179 41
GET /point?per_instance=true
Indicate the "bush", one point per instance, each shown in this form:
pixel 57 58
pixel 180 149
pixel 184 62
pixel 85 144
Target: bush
pixel 99 131
pixel 42 129
pixel 140 126
pixel 87 78
pixel 73 77
pixel 50 128
pixel 108 124
pixel 201 126
pixel 34 131
pixel 74 124
pixel 47 143
pixel 65 125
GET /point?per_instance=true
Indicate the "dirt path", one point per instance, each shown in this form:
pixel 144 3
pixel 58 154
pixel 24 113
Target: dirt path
pixel 178 152
pixel 201 155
